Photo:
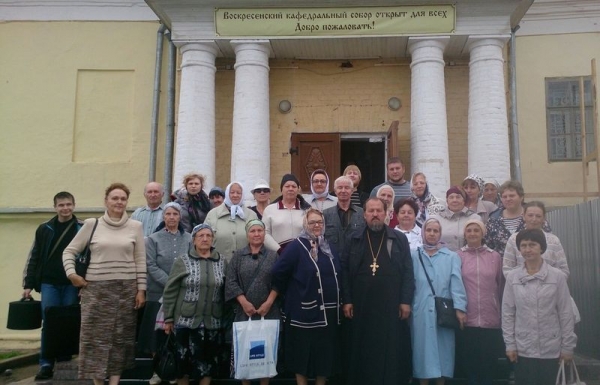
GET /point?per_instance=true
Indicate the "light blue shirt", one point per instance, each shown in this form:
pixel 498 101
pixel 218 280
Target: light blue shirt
pixel 150 218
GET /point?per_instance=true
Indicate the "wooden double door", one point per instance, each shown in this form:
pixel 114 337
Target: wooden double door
pixel 312 151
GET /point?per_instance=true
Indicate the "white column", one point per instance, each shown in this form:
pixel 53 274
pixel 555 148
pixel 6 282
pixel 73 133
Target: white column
pixel 195 145
pixel 250 145
pixel 489 152
pixel 428 122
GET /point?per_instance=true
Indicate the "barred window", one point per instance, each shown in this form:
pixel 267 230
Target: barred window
pixel 563 118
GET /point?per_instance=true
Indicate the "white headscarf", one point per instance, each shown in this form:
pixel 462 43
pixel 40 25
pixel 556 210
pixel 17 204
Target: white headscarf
pixel 325 193
pixel 236 210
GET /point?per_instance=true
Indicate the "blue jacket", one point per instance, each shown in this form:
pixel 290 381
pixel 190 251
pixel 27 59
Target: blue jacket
pixel 297 276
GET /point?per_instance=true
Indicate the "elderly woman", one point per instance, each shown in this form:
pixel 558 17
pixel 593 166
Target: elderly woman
pixel 168 242
pixel 358 197
pixel 261 193
pixel 307 275
pixel 320 198
pixel 110 297
pixel 283 218
pixel 454 218
pixel 537 317
pixel 427 203
pixel 406 211
pixel 433 346
pixel 386 194
pixel 473 187
pixel 481 340
pixel 194 202
pixel 193 306
pixel 248 280
pixel 490 192
pixel 534 216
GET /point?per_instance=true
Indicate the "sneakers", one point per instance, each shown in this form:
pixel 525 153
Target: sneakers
pixel 155 380
pixel 45 373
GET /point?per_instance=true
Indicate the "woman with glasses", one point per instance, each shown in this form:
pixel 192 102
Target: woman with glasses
pixel 320 198
pixel 262 195
pixel 307 275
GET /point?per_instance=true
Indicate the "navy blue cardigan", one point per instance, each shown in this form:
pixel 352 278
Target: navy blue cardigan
pixel 297 276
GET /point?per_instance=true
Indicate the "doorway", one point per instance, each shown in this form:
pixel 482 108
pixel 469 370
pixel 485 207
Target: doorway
pixel 368 154
pixel 334 152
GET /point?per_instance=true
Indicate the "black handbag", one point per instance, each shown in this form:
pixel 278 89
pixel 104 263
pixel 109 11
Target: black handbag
pixel 165 360
pixel 25 314
pixel 82 261
pixel 444 307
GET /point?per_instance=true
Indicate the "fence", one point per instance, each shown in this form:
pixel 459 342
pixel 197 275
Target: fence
pixel 578 228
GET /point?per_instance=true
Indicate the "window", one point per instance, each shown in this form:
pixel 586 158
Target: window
pixel 563 118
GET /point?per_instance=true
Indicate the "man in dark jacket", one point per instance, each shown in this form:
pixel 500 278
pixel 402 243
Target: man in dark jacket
pixel 377 293
pixel 44 270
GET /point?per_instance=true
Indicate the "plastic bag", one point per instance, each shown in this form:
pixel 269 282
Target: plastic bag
pixel 255 348
pixel 563 379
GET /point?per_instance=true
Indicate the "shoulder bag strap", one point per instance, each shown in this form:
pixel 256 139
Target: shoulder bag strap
pixel 92 234
pixel 427 275
pixel 61 238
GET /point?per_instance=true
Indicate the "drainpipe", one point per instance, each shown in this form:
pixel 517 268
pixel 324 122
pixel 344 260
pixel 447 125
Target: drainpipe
pixel 514 126
pixel 170 134
pixel 156 102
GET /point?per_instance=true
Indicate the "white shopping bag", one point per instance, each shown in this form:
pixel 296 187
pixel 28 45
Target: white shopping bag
pixel 562 378
pixel 255 348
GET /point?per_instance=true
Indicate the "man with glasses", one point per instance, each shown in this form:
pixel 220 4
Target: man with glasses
pixel 320 198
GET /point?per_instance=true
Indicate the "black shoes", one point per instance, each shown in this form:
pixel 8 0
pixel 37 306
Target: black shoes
pixel 45 373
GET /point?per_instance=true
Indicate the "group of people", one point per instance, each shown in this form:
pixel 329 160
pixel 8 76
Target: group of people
pixel 352 276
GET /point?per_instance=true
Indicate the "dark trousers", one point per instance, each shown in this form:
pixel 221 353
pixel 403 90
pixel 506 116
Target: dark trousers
pixel 479 349
pixel 536 371
pixel 55 295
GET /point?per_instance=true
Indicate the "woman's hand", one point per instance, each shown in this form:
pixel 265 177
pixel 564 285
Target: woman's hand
pixel 27 293
pixel 404 311
pixel 264 308
pixel 247 307
pixel 566 357
pixel 140 299
pixel 168 327
pixel 77 280
pixel 462 318
pixel 512 355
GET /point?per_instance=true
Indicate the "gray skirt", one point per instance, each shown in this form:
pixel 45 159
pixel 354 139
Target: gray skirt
pixel 108 326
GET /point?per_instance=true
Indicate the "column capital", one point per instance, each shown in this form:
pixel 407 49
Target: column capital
pixel 439 42
pixel 197 45
pixel 481 40
pixel 251 52
pixel 256 45
pixel 199 53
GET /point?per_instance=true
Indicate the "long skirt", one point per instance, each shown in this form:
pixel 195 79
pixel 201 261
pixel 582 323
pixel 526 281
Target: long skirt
pixel 200 352
pixel 108 322
pixel 315 351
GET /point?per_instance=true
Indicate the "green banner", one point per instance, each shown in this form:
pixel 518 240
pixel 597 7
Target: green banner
pixel 347 21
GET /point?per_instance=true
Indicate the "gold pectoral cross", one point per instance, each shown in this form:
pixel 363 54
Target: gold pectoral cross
pixel 374 267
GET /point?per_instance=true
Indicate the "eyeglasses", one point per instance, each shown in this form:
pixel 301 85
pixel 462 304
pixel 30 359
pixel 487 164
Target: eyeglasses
pixel 314 223
pixel 262 190
pixel 319 181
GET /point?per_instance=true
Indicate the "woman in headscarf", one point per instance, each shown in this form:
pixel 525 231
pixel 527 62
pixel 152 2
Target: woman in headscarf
pixel 320 198
pixel 490 192
pixel 193 305
pixel 194 202
pixel 283 217
pixel 473 187
pixel 480 343
pixel 168 242
pixel 386 194
pixel 229 220
pixel 433 345
pixel 307 275
pixel 454 217
pixel 248 283
pixel 427 203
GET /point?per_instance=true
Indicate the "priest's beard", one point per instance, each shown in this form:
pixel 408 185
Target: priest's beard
pixel 376 226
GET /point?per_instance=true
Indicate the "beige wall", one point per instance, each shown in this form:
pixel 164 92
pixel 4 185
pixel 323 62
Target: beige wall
pixel 539 57
pixel 75 111
pixel 327 98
